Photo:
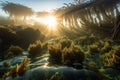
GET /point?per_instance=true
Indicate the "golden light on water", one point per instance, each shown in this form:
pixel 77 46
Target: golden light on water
pixel 46 64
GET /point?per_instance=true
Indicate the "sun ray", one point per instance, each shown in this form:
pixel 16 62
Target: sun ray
pixel 49 21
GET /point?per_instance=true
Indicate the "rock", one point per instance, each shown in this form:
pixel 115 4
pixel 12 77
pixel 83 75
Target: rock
pixel 25 53
pixel 77 65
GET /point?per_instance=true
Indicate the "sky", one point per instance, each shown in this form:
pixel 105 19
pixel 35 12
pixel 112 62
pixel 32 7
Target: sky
pixel 39 5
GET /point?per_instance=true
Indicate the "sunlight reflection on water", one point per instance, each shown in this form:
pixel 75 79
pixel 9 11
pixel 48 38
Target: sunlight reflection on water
pixel 45 65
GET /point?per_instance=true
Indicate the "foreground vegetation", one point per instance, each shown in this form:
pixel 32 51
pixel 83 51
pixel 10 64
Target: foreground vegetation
pixel 96 55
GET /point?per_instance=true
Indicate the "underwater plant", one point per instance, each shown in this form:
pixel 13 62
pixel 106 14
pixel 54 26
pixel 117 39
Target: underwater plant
pixel 93 39
pixel 106 48
pixel 35 49
pixel 65 42
pixel 86 40
pixel 103 74
pixel 12 72
pixel 7 38
pixel 18 70
pixel 67 57
pixel 55 53
pixel 117 58
pixel 25 38
pixel 6 64
pixel 45 46
pixel 81 40
pixel 15 50
pixel 9 55
pixel 92 65
pixel 23 67
pixel 72 55
pixel 93 49
pixel 112 58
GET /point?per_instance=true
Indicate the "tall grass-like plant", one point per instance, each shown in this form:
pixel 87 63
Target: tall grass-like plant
pixel 71 55
pixel 35 49
pixel 18 70
pixel 87 40
pixel 117 58
pixel 55 53
pixel 65 42
pixel 106 48
pixel 67 56
pixel 82 40
pixel 112 58
pixel 6 64
pixel 23 67
pixel 93 49
pixel 45 46
pixel 109 58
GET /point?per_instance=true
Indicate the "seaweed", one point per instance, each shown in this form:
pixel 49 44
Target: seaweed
pixel 35 49
pixel 15 50
pixel 18 70
pixel 71 55
pixel 55 53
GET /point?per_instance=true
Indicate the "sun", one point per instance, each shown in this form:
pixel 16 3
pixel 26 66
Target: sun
pixel 49 21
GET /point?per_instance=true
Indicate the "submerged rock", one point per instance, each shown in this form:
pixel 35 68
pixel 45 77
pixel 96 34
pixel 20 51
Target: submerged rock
pixel 77 65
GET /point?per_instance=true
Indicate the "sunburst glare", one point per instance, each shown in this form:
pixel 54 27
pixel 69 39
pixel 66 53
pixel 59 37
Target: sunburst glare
pixel 50 21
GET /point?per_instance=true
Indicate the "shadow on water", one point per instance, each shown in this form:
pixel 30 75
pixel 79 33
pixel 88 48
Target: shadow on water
pixel 67 72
